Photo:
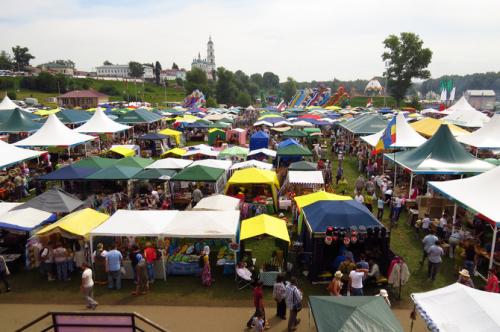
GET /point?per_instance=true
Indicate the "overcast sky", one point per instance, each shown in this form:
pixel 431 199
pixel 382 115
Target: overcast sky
pixel 307 40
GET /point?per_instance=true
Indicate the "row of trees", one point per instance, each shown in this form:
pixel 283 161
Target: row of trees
pixel 19 60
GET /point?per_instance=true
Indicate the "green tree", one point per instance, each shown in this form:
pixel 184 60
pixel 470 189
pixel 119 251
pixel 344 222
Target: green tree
pixel 270 80
pixel 197 79
pixel 226 89
pixel 107 63
pixel 179 81
pixel 12 95
pixel 257 79
pixel 253 90
pixel 136 69
pixel 407 59
pixel 241 79
pixel 6 62
pixel 211 102
pixel 22 57
pixel 289 89
pixel 244 99
pixel 157 72
pixel 175 66
pixel 68 63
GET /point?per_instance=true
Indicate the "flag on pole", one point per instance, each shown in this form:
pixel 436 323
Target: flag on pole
pixel 388 137
pixel 443 95
pixel 369 103
pixel 452 94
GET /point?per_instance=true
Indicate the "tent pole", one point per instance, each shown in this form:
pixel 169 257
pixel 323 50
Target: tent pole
pixel 69 151
pixel 411 183
pixel 493 242
pixel 453 220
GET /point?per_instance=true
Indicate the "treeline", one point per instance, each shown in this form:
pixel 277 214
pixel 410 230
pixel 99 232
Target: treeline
pixel 478 81
pixel 59 83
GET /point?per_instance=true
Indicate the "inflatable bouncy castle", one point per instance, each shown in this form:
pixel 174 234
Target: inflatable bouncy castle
pixel 195 100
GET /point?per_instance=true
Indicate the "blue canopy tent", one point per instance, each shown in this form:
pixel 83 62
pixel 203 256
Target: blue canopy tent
pixel 322 214
pixel 70 172
pixel 259 140
pixel 287 142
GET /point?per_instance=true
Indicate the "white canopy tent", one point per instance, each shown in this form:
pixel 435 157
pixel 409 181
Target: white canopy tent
pixel 218 203
pixel 302 123
pixel 25 220
pixel 486 137
pixel 7 206
pixel 7 104
pixel 464 115
pixel 100 123
pixel 215 163
pixel 313 178
pixel 406 136
pixel 171 163
pixel 267 152
pixel 458 308
pixel 478 193
pixel 202 149
pixel 54 133
pixel 204 225
pixel 11 155
pixel 252 163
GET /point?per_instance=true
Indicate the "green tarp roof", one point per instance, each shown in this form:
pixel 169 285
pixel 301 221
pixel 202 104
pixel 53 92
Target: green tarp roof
pixel 115 172
pixel 199 173
pixel 294 133
pixel 19 122
pixel 155 174
pixel 441 154
pixel 73 116
pixel 219 124
pixel 365 124
pixel 134 162
pixel 138 116
pixel 5 114
pixel 303 166
pixel 95 162
pixel 311 130
pixel 294 150
pixel 353 313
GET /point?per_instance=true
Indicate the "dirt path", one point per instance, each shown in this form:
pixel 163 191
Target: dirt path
pixel 175 319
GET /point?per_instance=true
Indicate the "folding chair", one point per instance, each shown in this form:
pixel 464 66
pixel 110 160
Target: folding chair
pixel 242 283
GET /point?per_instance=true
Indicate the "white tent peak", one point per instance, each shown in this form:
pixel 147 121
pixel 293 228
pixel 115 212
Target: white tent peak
pixel 406 136
pixel 10 154
pixel 170 163
pixel 463 114
pixel 101 123
pixel 218 203
pixel 54 133
pixel 486 137
pixel 7 104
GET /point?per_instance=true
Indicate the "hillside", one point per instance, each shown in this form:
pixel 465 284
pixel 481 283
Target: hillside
pixel 24 87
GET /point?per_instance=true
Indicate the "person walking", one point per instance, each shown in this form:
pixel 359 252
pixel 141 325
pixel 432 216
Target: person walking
pixel 206 275
pixel 335 286
pixel 87 286
pixel 197 195
pixel 294 303
pixel 434 255
pixel 142 276
pixel 150 256
pixel 258 302
pixel 113 268
pixel 4 272
pixel 465 279
pixel 279 292
pixel 60 258
pixel 380 208
pixel 428 240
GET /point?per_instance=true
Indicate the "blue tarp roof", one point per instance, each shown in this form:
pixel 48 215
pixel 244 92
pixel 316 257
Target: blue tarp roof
pixel 287 142
pixel 51 219
pixel 69 173
pixel 259 140
pixel 345 214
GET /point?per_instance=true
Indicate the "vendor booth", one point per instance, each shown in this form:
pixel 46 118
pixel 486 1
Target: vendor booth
pixel 216 137
pixel 170 163
pixel 177 135
pixel 303 166
pixel 304 182
pixel 471 309
pixel 54 200
pixel 218 203
pixel 257 188
pixel 175 152
pixel 427 127
pixel 259 140
pixel 353 313
pixel 266 225
pixel 237 136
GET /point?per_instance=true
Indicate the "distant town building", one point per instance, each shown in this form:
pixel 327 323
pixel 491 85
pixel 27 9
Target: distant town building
pixel 481 99
pixel 149 72
pixel 58 68
pixel 207 64
pixel 373 88
pixel 82 98
pixel 172 74
pixel 113 71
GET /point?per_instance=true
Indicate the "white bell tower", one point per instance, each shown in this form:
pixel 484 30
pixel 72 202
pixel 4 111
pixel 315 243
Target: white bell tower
pixel 210 53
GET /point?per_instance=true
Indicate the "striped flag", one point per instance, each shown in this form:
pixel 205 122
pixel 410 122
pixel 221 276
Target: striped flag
pixel 388 137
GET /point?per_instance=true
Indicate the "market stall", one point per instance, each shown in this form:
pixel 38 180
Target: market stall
pixel 54 200
pixel 266 225
pixel 216 137
pixel 218 203
pixel 257 188
pixel 177 135
pixel 170 163
pixel 259 140
pixel 237 136
pixel 304 182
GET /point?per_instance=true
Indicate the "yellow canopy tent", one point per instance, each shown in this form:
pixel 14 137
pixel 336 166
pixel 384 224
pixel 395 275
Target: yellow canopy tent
pixel 428 126
pixel 176 151
pixel 173 133
pixel 264 224
pixel 47 112
pixel 255 176
pixel 78 223
pixel 305 200
pixel 333 108
pixel 269 116
pixel 121 150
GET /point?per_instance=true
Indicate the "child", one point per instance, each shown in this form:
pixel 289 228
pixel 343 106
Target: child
pixel 258 322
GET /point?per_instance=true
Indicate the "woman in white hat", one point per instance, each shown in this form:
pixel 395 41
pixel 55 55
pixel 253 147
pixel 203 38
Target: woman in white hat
pixel 465 279
pixel 335 285
pixel 385 296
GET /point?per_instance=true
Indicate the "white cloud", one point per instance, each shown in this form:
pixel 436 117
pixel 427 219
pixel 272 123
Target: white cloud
pixel 315 40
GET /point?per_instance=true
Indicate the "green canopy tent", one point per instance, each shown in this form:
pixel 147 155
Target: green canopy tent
pixel 137 162
pixel 234 151
pixel 138 116
pixel 95 162
pixel 68 116
pixel 303 166
pixel 366 124
pixel 353 313
pixel 295 133
pixel 200 173
pixel 214 134
pixel 220 125
pixel 5 114
pixel 115 172
pixel 312 131
pixel 19 122
pixel 155 174
pixel 293 150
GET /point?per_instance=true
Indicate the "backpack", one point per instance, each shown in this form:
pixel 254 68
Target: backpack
pixel 201 261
